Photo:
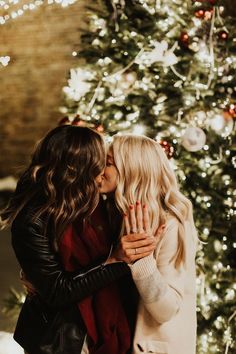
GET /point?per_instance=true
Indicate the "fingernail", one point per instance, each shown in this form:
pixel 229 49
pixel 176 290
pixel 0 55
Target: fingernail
pixel 138 202
pixel 131 207
pixel 125 214
pixel 144 206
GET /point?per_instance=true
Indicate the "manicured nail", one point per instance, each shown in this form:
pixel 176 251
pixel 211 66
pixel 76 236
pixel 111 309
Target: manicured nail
pixel 138 202
pixel 125 214
pixel 131 207
pixel 144 206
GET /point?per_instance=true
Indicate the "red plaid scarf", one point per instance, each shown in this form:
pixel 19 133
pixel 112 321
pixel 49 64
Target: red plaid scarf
pixel 103 314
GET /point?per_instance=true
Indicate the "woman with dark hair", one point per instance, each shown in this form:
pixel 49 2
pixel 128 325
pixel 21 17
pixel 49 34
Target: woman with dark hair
pixel 53 211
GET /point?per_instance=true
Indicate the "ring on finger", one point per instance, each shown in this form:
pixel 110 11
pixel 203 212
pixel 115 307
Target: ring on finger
pixel 140 231
pixel 133 231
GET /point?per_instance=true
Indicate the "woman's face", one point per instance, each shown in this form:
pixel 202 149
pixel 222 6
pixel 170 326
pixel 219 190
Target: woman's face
pixel 110 175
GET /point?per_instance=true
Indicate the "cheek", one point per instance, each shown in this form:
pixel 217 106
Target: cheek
pixel 110 174
pixel 114 177
pixel 106 173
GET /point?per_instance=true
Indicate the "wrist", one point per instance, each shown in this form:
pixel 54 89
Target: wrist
pixel 111 260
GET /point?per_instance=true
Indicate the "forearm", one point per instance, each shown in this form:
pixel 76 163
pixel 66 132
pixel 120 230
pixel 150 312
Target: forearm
pixel 44 270
pixel 74 287
pixel 160 299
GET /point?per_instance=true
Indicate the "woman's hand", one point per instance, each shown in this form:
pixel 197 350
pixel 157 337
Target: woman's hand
pixel 138 241
pixel 137 220
pixel 133 247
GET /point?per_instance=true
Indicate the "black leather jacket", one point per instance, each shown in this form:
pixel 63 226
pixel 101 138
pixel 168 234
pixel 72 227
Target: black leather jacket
pixel 50 322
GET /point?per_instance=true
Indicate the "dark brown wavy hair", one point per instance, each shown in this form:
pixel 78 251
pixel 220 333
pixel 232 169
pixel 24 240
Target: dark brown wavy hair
pixel 62 176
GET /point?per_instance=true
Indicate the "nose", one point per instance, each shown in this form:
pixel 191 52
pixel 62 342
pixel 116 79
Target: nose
pixel 99 178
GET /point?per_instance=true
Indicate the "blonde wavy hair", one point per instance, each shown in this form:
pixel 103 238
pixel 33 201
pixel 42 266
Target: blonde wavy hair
pixel 145 175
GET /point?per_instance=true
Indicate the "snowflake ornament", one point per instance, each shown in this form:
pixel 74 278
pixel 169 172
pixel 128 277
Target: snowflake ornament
pixel 78 84
pixel 160 53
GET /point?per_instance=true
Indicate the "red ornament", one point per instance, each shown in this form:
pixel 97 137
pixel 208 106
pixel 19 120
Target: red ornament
pixel 231 112
pixel 208 14
pixel 184 38
pixel 204 14
pixel 223 35
pixel 64 121
pixel 77 121
pixel 200 13
pixel 100 128
pixel 169 150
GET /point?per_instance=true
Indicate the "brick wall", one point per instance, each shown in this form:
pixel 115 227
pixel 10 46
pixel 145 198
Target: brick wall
pixel 40 44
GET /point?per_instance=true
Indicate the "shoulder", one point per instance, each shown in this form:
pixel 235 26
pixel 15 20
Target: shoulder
pixel 171 222
pixel 25 217
pixel 175 231
pixel 25 223
pixel 171 229
pixel 169 241
pixel 169 238
pixel 173 225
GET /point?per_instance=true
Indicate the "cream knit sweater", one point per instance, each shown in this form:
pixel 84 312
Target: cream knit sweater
pixel 166 320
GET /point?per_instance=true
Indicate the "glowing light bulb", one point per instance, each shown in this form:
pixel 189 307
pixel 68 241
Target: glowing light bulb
pixel 138 129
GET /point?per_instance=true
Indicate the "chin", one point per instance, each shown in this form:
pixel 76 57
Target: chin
pixel 105 189
pixel 102 189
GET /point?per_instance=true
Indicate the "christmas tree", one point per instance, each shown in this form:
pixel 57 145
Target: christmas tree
pixel 166 69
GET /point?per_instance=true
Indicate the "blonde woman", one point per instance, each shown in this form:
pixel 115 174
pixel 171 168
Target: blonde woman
pixel 144 183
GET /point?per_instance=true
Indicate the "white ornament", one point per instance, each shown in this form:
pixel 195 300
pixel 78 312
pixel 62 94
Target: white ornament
pixel 78 84
pixel 234 161
pixel 160 53
pixel 193 139
pixel 132 116
pixel 200 117
pixel 221 125
pixel 138 129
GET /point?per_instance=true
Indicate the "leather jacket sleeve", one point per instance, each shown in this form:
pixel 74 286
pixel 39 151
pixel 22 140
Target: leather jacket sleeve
pixel 44 270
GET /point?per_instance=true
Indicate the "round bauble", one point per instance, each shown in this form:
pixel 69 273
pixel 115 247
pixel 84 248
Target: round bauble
pixel 223 35
pixel 193 139
pixel 222 124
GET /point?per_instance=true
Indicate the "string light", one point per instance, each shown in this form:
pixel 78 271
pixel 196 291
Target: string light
pixel 138 129
pixel 14 11
pixel 4 61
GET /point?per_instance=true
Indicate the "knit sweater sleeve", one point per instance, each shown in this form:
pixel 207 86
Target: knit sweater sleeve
pixel 159 283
